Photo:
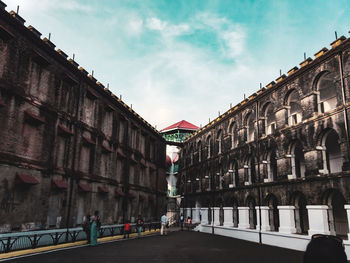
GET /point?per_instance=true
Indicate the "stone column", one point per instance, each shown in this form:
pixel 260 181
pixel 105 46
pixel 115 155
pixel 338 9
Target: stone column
pixel 287 219
pixel 265 222
pixel 243 215
pixel 216 216
pixel 228 216
pixel 204 212
pixel 318 219
pixel 195 214
pixel 347 208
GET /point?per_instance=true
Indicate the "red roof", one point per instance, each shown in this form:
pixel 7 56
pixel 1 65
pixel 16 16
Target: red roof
pixel 182 125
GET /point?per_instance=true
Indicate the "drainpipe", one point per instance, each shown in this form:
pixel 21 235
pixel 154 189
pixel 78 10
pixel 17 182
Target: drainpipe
pixel 341 69
pixel 258 160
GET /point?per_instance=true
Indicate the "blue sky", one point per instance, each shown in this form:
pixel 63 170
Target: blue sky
pixel 175 60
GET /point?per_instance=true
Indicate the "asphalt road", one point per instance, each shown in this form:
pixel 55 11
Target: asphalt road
pixel 176 247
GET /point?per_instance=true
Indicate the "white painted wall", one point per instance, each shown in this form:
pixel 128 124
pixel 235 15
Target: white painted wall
pixel 228 216
pixel 243 215
pixel 318 219
pixel 287 219
pixel 204 212
pixel 216 216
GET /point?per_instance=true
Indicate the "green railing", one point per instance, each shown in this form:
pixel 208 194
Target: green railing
pixel 34 239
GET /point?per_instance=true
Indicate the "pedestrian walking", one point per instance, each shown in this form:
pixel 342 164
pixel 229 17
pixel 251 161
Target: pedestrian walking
pixel 95 227
pixel 164 223
pixel 139 226
pixel 182 221
pixel 127 228
pixel 189 223
pixel 87 227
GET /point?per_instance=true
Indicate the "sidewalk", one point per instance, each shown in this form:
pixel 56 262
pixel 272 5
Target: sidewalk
pixel 70 245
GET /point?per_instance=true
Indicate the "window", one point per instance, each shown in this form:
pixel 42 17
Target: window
pixel 142 144
pixel 233 133
pixel 133 138
pixel 122 125
pixel 327 92
pixel 331 153
pixel 107 122
pixel 269 119
pixel 209 147
pixel 250 128
pixel 249 171
pixel 89 110
pixel 294 110
pixel 233 175
pixel 297 161
pixel 199 151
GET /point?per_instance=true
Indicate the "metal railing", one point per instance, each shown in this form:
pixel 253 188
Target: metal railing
pixel 34 239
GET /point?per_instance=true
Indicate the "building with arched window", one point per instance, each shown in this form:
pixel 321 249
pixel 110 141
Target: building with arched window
pixel 69 146
pixel 280 158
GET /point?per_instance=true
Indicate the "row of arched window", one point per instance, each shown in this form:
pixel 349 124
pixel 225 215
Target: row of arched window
pixel 331 161
pixel 325 100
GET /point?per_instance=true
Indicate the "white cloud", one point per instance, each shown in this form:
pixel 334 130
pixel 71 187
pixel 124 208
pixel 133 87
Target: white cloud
pixel 167 30
pixel 230 35
pixel 135 26
pixel 156 24
pixel 234 41
pixel 174 81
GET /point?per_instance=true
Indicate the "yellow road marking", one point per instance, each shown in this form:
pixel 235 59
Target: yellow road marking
pixel 78 243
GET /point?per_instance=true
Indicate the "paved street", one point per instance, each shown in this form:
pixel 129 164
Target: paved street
pixel 176 247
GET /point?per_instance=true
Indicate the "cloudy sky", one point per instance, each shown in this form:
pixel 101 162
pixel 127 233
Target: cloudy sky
pixel 189 59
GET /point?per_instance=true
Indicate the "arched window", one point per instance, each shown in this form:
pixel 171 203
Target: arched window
pixel 219 140
pixel 191 155
pixel 249 127
pixel 270 167
pixel 331 153
pixel 297 161
pixel 327 94
pixel 337 217
pixel 249 171
pixel 233 134
pixel 269 120
pixel 199 146
pixel 294 110
pixel 209 147
pixel 219 178
pixel 233 174
pixel 252 213
pixel 273 212
pixel 301 214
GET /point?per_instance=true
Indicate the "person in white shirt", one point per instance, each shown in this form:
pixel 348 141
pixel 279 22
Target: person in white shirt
pixel 164 222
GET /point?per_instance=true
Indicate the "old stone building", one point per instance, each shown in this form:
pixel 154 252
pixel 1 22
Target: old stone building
pixel 68 146
pixel 277 164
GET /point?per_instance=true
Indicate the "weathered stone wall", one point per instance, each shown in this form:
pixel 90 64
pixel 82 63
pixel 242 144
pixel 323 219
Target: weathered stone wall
pixel 65 144
pixel 307 160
